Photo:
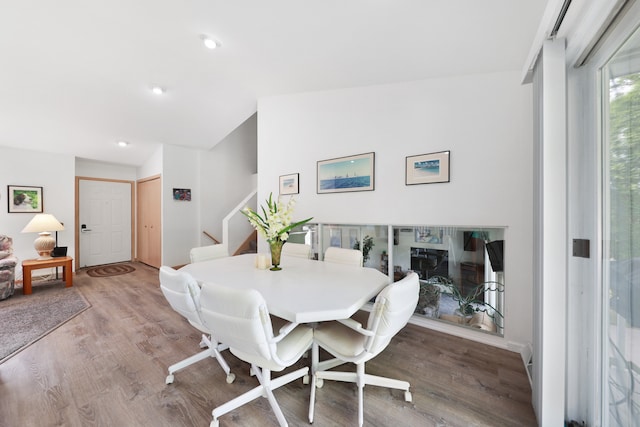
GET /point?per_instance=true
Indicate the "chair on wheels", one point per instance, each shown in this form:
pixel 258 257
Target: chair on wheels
pixel 348 341
pixel 239 317
pixel 343 256
pixel 183 294
pixel 205 253
pixel 298 250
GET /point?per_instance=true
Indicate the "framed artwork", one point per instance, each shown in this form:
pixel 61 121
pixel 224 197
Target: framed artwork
pixel 428 235
pixel 289 184
pixel 352 173
pixel 182 194
pixel 428 168
pixel 24 199
pixel 335 237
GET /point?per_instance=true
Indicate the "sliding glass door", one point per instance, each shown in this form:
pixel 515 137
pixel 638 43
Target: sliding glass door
pixel 621 227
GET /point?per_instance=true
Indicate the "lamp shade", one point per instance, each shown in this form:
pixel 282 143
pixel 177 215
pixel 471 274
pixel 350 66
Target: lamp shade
pixel 43 224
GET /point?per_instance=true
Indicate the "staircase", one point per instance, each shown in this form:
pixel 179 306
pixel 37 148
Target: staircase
pixel 250 245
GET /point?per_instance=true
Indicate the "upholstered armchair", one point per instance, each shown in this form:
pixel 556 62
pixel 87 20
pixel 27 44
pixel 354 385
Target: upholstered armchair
pixel 349 341
pixel 183 295
pixel 343 256
pixel 7 267
pixel 240 318
pixel 206 253
pixel 298 250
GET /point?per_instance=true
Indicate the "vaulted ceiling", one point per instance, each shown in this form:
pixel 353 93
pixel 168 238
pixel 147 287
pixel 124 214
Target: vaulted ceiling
pixel 76 75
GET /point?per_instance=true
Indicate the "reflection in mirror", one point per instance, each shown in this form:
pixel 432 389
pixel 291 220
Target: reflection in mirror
pixel 461 269
pixel 461 273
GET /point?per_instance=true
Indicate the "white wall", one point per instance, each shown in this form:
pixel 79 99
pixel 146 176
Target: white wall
pixel 179 218
pixel 226 178
pixel 485 120
pixel 55 174
pixel 94 169
pixel 153 165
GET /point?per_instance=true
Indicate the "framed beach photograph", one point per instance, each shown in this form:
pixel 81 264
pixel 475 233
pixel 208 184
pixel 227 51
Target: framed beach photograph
pixel 427 168
pixel 24 199
pixel 289 184
pixel 351 173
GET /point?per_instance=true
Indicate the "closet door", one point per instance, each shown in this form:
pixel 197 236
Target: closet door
pixel 150 222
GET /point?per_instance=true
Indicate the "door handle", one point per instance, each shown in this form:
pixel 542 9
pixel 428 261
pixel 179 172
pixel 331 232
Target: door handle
pixel 84 228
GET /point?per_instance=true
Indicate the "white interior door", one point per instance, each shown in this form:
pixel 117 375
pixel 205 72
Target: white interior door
pixel 105 222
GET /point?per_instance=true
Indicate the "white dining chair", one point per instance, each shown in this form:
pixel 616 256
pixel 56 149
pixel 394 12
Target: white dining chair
pixel 343 256
pixel 298 250
pixel 183 294
pixel 348 341
pixel 239 317
pixel 205 253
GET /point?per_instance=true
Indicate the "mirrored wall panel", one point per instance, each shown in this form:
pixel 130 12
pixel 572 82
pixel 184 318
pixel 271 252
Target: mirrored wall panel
pixel 461 269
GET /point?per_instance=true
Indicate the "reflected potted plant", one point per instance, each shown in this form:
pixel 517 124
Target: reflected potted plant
pixel 472 302
pixel 367 244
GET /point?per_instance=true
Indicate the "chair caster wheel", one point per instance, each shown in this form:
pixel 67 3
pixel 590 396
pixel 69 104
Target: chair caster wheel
pixel 407 396
pixel 305 379
pixel 319 383
pixel 169 379
pixel 231 378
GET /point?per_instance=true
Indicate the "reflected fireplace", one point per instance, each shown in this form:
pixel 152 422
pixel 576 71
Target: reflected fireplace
pixel 427 262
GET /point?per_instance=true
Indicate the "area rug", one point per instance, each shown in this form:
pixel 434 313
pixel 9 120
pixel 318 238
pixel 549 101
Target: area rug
pixel 24 319
pixel 110 270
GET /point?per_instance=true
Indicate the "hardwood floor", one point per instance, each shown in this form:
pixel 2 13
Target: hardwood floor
pixel 107 367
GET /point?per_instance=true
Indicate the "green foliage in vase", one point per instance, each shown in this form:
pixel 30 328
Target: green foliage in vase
pixel 275 222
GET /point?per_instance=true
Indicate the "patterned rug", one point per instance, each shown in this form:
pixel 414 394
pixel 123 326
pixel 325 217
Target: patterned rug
pixel 110 270
pixel 24 319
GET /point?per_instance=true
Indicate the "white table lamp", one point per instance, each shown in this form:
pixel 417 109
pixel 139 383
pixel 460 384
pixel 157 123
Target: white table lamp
pixel 43 224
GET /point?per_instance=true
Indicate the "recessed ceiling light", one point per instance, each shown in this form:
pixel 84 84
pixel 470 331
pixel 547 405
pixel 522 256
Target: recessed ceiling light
pixel 209 42
pixel 123 143
pixel 157 90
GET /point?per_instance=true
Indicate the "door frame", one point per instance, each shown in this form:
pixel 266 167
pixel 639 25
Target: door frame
pixel 76 233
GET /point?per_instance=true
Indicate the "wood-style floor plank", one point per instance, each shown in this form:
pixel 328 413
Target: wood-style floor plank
pixel 107 367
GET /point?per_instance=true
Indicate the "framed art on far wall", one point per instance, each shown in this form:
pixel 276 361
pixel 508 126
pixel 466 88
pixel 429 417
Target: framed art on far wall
pixel 182 194
pixel 351 173
pixel 289 184
pixel 427 168
pixel 24 199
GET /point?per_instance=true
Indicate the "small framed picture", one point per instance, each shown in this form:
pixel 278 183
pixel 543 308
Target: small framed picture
pixel 351 173
pixel 182 194
pixel 24 199
pixel 289 184
pixel 428 168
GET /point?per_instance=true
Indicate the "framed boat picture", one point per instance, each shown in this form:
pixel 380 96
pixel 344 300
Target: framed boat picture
pixel 343 174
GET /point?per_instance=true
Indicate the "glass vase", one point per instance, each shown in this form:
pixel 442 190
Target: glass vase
pixel 276 251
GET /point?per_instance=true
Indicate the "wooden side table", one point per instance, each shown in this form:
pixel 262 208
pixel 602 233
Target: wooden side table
pixel 35 264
